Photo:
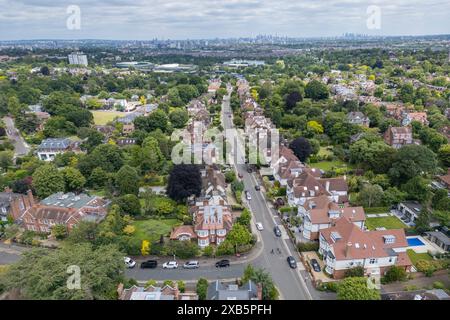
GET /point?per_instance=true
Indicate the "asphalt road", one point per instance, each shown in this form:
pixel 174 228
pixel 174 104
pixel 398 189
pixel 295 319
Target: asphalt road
pixel 20 146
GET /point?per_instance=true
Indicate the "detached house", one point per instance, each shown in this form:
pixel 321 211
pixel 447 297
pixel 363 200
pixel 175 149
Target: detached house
pixel 13 203
pixel 60 209
pixel 320 213
pixel 49 148
pixel 398 137
pixel 344 246
pixel 358 118
pixel 212 220
pixel 420 117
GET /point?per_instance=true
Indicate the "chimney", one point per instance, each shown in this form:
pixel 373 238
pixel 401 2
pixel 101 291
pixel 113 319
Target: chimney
pixel 347 248
pixel 327 185
pixel 120 290
pixel 30 197
pixel 176 291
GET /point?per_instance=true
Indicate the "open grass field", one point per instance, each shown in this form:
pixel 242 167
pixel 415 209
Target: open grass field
pixel 153 229
pixel 386 222
pixel 103 117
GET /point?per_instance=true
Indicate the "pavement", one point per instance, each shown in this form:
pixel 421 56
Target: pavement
pixel 10 253
pixel 20 146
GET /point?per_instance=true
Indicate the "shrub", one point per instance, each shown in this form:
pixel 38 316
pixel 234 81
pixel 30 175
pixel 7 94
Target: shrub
pixel 411 287
pixel 438 285
pixel 181 286
pixel 208 251
pixel 354 272
pixel 182 249
pixel 202 288
pixel 428 267
pixel 307 246
pixel 393 274
pixel 331 286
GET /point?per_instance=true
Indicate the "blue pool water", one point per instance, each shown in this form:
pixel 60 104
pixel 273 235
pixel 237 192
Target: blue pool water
pixel 414 242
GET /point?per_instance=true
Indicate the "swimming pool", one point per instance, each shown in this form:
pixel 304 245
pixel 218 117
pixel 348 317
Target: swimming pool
pixel 415 242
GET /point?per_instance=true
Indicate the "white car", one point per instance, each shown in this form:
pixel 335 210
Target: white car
pixel 247 194
pixel 259 226
pixel 130 263
pixel 170 265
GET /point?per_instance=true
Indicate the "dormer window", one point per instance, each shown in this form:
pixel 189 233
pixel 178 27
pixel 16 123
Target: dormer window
pixel 389 239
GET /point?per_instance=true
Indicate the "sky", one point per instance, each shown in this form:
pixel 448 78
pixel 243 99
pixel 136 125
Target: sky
pixel 206 19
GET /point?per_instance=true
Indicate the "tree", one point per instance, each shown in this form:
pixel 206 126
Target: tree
pixel 245 218
pixel 370 195
pixel 59 231
pixel 98 178
pixel 354 272
pixel 157 205
pixel 145 248
pixel 94 138
pixel 156 120
pixel 184 181
pixel 316 90
pixel 314 127
pixel 129 204
pixel 151 157
pixel 6 159
pixel 444 155
pixel 73 179
pixel 355 288
pixel 45 71
pixel 417 189
pixel 239 235
pixel 422 223
pixel 302 148
pixel 48 180
pixel 202 288
pixel 44 274
pixel 411 161
pixel 105 156
pixel 178 118
pixel 394 273
pixel 292 99
pixel 127 180
pixel 260 277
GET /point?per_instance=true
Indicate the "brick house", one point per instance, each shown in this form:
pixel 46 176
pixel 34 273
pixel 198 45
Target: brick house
pixel 166 292
pixel 321 212
pixel 59 209
pixel 344 246
pixel 212 220
pixel 13 204
pixel 397 137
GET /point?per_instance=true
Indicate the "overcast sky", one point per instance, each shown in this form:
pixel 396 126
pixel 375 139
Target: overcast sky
pixel 181 19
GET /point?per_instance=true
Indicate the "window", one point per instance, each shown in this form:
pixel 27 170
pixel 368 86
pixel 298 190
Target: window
pixel 372 261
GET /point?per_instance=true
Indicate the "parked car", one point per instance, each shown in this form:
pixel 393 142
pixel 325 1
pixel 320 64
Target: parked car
pixel 259 226
pixel 170 265
pixel 315 265
pixel 223 263
pixel 129 263
pixel 240 175
pixel 249 170
pixel 191 265
pixel 277 231
pixel 149 264
pixel 248 196
pixel 291 261
pixel 257 188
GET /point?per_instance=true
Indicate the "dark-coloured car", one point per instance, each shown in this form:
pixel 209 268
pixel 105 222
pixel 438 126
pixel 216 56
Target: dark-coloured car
pixel 315 265
pixel 249 170
pixel 257 188
pixel 277 231
pixel 223 263
pixel 149 264
pixel 291 261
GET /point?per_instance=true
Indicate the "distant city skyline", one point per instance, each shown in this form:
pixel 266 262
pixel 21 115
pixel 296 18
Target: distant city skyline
pixel 208 19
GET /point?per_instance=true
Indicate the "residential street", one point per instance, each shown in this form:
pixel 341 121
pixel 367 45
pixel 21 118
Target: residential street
pixel 20 146
pixel 290 282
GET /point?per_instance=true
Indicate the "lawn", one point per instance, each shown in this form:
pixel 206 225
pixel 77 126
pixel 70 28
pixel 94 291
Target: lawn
pixel 330 165
pixel 414 256
pixel 386 222
pixel 103 117
pixel 154 228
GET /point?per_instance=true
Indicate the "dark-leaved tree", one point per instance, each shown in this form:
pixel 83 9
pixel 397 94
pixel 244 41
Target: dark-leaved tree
pixel 184 181
pixel 302 148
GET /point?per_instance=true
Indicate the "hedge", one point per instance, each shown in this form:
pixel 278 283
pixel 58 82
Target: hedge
pixel 376 210
pixel 307 246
